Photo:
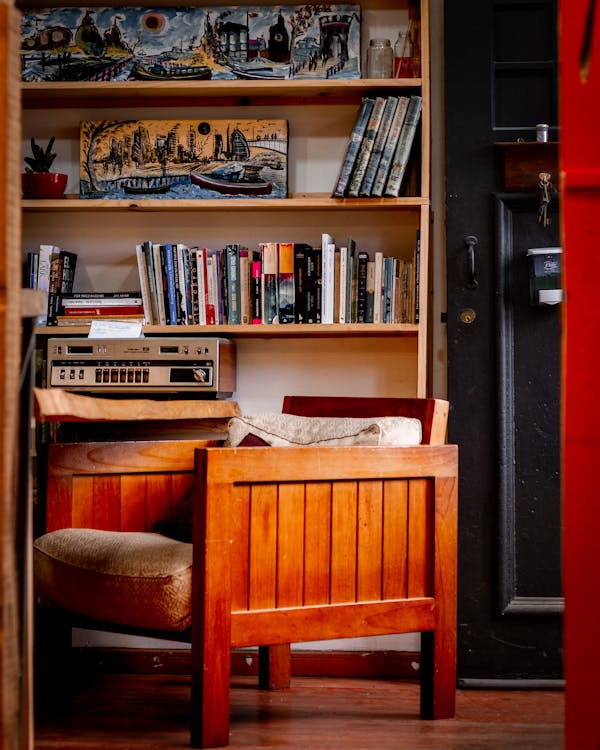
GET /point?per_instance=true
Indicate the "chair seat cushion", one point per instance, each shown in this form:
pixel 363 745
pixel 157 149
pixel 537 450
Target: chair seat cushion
pixel 140 579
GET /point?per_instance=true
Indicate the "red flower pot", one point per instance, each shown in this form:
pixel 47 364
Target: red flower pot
pixel 43 184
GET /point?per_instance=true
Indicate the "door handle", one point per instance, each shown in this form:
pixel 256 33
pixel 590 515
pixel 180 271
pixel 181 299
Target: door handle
pixel 470 242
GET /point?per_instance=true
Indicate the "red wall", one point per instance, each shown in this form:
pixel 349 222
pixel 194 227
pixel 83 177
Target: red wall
pixel 580 184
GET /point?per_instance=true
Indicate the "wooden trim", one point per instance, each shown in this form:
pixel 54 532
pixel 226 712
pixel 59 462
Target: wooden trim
pixel 389 664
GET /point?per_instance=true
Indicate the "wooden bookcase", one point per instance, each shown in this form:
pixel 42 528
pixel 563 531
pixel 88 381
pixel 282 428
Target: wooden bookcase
pixel 393 358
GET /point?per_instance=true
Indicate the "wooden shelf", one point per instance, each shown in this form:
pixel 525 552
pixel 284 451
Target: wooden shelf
pixel 306 330
pixel 192 93
pixel 307 202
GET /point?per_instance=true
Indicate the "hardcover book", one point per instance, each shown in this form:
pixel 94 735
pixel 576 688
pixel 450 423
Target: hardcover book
pixel 353 148
pixel 381 138
pixel 269 282
pixel 389 147
pixel 259 42
pixel 183 159
pixel 366 147
pixel 403 149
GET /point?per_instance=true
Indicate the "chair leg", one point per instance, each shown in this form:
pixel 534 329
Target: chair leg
pixel 438 676
pixel 53 681
pixel 274 666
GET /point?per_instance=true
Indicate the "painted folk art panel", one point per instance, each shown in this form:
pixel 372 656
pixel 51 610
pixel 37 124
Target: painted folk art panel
pixel 258 42
pixel 186 159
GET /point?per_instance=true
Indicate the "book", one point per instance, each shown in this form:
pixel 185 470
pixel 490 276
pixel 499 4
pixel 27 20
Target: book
pixel 388 287
pixel 161 282
pixel 327 277
pixel 343 275
pixel 184 290
pixel 286 289
pixel 245 285
pixel 168 251
pixel 336 286
pixel 256 291
pixel 361 294
pixel 300 280
pixel 350 279
pixel 54 287
pixel 417 283
pixel 379 144
pixel 144 285
pixel 149 259
pixel 202 285
pixel 269 282
pixel 232 271
pixel 313 285
pixel 193 259
pixel 353 147
pixel 211 289
pixel 403 149
pixel 366 147
pixel 389 147
pixel 370 307
pixel 100 311
pixel 83 299
pixel 43 276
pixel 378 286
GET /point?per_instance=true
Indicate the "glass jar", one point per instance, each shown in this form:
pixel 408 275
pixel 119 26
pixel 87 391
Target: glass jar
pixel 380 59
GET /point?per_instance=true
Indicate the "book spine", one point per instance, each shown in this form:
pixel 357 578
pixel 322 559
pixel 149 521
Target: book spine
pixel 336 286
pixel 402 152
pixel 43 277
pixel 378 146
pixel 149 260
pixel 286 290
pixel 366 148
pixel 343 283
pixel 361 306
pixel 327 277
pixel 378 288
pixel 102 310
pixel 198 261
pixel 54 287
pixel 171 289
pixel 350 280
pixel 69 264
pixel 211 290
pixel 388 283
pixel 370 291
pixel 417 275
pixel 232 259
pixel 245 286
pixel 313 285
pixel 300 250
pixel 144 285
pixel 353 148
pixel 256 291
pixel 161 287
pixel 270 271
pixel 185 283
pixel 389 147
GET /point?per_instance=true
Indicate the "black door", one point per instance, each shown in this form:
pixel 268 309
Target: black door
pixel 503 352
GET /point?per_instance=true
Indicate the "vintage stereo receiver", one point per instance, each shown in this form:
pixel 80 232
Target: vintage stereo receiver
pixel 169 366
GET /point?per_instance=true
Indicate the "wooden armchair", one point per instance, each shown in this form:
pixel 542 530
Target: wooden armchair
pixel 328 502
pixel 300 544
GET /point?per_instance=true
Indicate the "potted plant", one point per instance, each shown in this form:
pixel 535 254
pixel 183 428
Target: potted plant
pixel 37 180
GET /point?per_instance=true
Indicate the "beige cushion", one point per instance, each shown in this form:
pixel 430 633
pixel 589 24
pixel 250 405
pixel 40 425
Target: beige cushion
pixel 130 578
pixel 289 429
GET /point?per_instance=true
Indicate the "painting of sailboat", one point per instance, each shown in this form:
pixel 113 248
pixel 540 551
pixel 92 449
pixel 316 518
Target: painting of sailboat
pixel 194 43
pixel 184 159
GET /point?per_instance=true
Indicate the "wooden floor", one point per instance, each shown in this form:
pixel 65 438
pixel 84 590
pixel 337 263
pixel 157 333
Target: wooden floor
pixel 151 712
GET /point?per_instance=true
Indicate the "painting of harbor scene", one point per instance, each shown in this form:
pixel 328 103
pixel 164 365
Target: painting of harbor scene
pixel 185 159
pixel 196 43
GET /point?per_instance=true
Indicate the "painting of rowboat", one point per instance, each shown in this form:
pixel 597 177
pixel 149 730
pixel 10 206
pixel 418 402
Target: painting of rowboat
pixel 195 43
pixel 185 159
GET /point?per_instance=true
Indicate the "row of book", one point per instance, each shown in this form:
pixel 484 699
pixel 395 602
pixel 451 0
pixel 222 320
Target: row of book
pixel 378 152
pixel 52 270
pixel 279 283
